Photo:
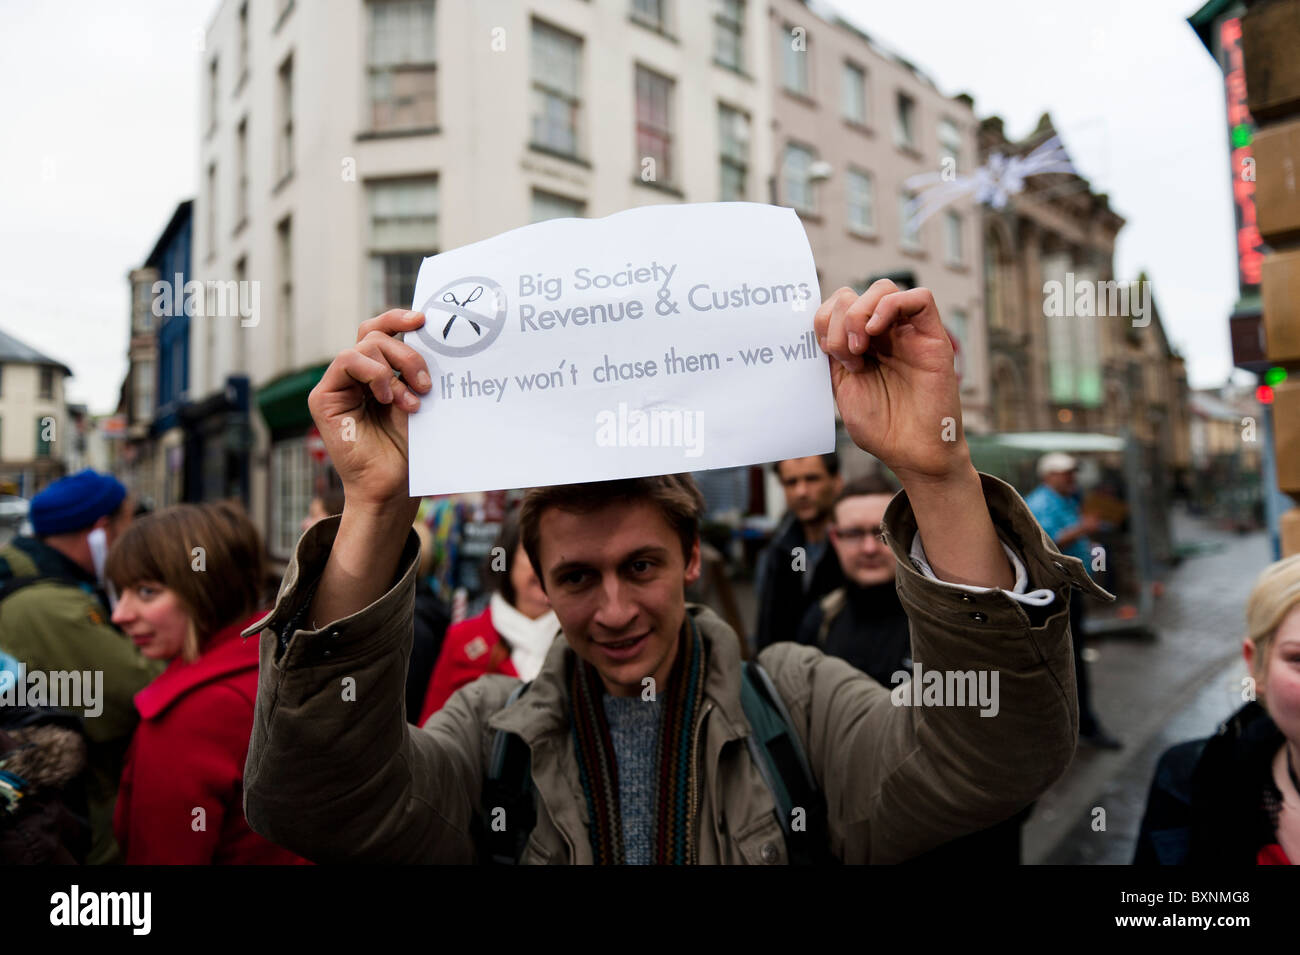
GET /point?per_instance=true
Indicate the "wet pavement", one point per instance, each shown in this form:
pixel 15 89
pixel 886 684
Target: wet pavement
pixel 1152 694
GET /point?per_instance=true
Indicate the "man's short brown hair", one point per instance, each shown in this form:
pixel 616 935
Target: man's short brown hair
pixel 830 461
pixel 877 483
pixel 676 495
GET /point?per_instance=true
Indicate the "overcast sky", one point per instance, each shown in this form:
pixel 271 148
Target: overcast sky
pixel 101 133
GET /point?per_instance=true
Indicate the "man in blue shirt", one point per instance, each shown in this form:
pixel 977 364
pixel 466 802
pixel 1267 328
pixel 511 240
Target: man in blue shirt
pixel 1055 504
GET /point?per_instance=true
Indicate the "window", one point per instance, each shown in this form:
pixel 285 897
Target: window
pixel 862 201
pixel 733 139
pixel 952 238
pixel 910 232
pixel 794 60
pixel 212 210
pixel 729 34
pixel 143 322
pixel 905 122
pixel 284 250
pixel 949 144
pixel 284 131
pixel 241 172
pixel 547 205
pixel 47 382
pixel 993 281
pixel 654 136
pixel 213 88
pixel 402 64
pixel 652 13
pixel 44 434
pixel 557 89
pixel 956 325
pixel 241 333
pixel 291 483
pixel 403 230
pixel 211 365
pixel 797 168
pixel 854 94
pixel 143 380
pixel 243 41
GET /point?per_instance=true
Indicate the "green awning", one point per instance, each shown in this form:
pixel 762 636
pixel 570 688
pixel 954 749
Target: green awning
pixel 283 402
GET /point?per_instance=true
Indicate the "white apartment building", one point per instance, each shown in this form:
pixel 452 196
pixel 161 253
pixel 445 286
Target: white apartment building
pixel 345 140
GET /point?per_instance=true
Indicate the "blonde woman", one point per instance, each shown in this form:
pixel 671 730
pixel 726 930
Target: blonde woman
pixel 1234 799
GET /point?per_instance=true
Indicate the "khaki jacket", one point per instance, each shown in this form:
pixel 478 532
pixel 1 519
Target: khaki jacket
pixel 335 773
pixel 54 625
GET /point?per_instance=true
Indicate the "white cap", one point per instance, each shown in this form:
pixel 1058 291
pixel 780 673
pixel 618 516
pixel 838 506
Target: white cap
pixel 1054 462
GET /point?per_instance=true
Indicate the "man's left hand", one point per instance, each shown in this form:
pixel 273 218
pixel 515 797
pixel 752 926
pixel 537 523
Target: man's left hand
pixel 893 378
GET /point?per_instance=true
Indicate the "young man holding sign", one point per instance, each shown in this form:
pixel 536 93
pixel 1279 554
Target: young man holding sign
pixel 635 725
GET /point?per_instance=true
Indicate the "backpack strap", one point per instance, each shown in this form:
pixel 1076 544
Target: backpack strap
pixel 779 755
pixel 831 605
pixel 507 811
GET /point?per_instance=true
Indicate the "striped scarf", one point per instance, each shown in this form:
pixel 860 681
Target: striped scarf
pixel 676 786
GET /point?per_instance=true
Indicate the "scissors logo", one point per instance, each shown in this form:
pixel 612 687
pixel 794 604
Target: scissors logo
pixel 450 297
pixel 455 299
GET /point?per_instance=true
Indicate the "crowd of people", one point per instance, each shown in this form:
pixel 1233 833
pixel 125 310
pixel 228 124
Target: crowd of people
pixel 591 712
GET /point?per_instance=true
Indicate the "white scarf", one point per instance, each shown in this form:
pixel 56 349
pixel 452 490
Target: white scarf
pixel 528 639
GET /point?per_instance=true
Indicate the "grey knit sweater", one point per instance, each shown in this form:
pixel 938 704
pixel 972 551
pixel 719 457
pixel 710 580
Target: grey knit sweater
pixel 634 730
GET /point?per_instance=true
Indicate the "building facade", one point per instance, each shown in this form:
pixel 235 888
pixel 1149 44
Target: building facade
pixel 852 124
pixel 346 142
pixel 36 433
pixel 151 453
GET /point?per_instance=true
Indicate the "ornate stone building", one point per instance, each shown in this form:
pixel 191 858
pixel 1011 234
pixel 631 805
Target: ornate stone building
pixel 1054 227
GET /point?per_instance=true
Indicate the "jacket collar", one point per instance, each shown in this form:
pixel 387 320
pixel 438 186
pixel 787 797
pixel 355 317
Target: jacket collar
pixel 225 655
pixel 544 709
pixel 50 563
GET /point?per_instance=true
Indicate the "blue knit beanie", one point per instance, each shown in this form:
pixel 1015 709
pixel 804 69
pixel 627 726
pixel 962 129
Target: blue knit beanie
pixel 75 502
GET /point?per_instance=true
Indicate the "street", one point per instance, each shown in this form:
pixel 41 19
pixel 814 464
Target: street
pixel 1152 694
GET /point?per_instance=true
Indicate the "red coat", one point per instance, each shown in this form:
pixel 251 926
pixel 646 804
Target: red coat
pixel 471 648
pixel 188 753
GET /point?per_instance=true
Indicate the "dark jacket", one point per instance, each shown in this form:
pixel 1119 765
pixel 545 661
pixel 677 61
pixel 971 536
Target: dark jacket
pixel 43 751
pixel 431 623
pixel 866 626
pixel 782 599
pixel 1213 801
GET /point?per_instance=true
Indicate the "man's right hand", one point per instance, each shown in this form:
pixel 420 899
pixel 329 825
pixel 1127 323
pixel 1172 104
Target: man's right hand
pixel 361 409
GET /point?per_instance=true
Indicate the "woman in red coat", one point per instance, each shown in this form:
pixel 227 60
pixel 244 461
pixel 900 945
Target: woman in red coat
pixel 190 579
pixel 511 636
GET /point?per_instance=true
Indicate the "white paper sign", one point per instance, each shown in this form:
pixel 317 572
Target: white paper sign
pixel 657 340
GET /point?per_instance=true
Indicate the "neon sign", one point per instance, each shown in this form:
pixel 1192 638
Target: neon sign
pixel 1241 130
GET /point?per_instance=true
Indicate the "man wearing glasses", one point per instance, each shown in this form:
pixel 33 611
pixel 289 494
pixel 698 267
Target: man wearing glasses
pixel 862 622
